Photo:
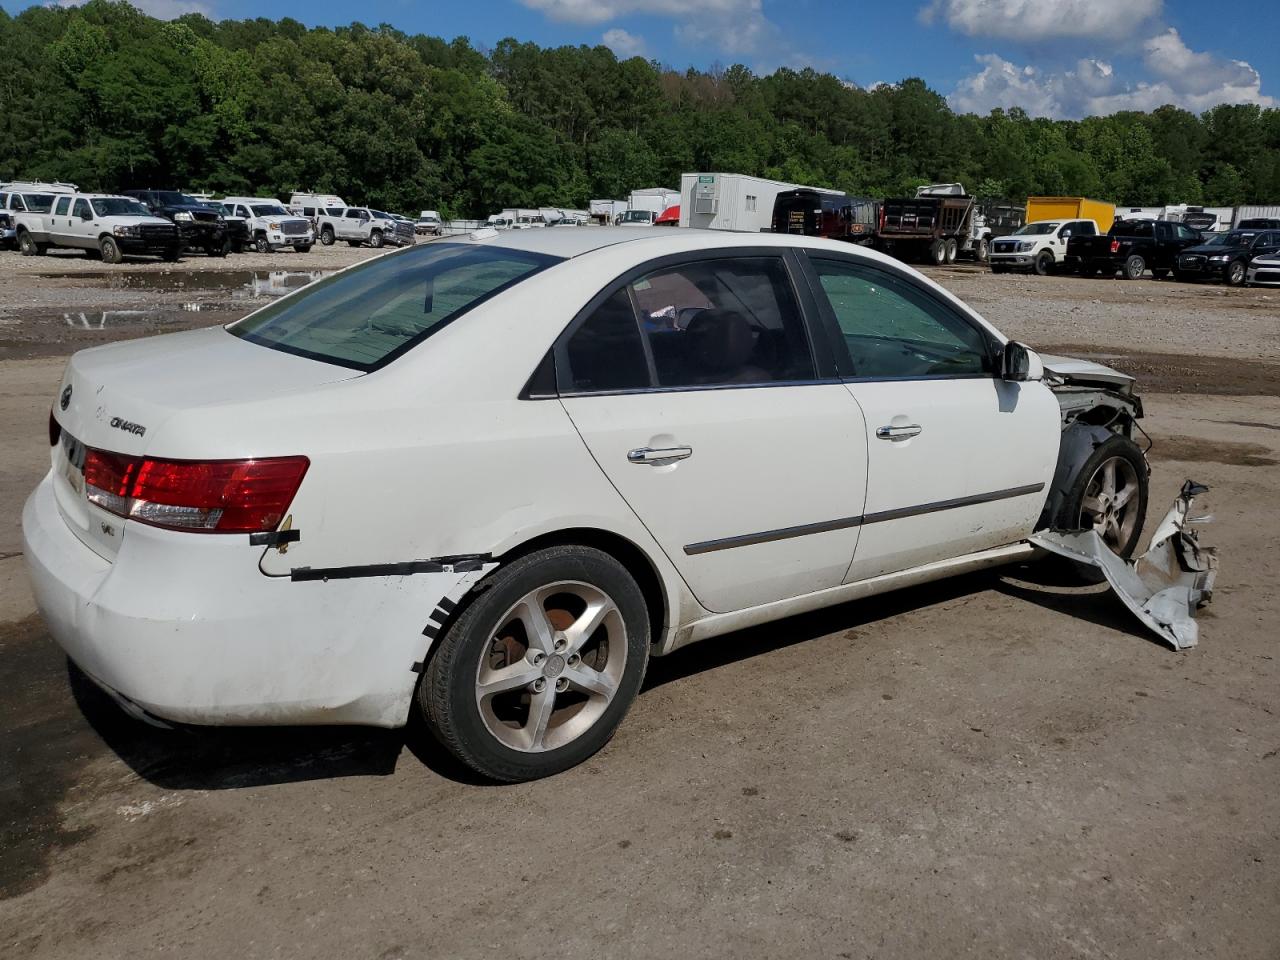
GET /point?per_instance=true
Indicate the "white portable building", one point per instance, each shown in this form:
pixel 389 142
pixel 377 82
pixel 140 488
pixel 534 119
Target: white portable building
pixel 1256 212
pixel 731 201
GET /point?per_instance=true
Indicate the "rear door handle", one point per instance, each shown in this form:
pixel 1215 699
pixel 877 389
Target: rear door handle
pixel 899 433
pixel 660 455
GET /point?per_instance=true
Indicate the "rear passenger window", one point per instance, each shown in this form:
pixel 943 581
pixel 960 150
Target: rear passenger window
pixel 707 323
pixel 60 209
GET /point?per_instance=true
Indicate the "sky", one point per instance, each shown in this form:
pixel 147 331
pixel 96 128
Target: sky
pixel 1055 58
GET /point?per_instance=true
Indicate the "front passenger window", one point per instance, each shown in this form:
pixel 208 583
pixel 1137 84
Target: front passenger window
pixel 81 210
pixel 894 330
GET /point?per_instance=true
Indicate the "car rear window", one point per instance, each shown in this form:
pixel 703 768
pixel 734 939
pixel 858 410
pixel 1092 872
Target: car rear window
pixel 367 316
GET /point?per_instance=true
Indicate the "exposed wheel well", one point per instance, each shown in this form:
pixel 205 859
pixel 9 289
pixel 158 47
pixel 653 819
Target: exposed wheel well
pixel 622 550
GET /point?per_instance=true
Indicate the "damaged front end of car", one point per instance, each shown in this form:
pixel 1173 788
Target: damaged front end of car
pixel 1165 585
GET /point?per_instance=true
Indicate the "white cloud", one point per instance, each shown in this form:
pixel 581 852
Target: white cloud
pixel 160 9
pixel 734 28
pixel 1036 20
pixel 624 44
pixel 1181 76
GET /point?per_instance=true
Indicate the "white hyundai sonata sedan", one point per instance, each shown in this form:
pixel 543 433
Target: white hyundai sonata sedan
pixel 493 475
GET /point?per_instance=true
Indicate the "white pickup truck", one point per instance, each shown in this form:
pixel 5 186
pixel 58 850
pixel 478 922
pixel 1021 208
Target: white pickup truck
pixel 270 225
pixel 360 225
pixel 1040 246
pixel 107 226
pixel 22 196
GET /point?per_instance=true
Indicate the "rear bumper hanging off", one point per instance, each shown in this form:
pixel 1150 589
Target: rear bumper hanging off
pixel 1164 586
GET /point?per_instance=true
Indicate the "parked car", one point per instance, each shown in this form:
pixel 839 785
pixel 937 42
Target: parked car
pixel 1264 271
pixel 108 226
pixel 494 474
pixel 361 225
pixel 1040 247
pixel 22 196
pixel 1131 247
pixel 1227 256
pixel 270 225
pixel 428 224
pixel 200 225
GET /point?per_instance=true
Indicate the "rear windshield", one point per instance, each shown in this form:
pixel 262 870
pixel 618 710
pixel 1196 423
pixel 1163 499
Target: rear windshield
pixel 367 316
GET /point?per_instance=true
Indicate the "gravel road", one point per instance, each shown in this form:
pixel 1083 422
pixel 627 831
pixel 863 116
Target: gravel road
pixel 998 766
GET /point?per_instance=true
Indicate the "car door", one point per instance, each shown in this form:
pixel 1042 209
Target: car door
pixel 60 225
pixel 82 228
pixel 696 385
pixel 958 459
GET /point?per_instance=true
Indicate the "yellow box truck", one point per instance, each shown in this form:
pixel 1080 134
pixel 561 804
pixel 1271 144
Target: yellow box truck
pixel 1071 208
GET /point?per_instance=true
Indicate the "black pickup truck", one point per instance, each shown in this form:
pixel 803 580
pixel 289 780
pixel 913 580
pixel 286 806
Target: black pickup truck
pixel 1131 247
pixel 200 224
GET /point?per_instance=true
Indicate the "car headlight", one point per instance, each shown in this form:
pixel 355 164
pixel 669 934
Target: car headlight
pixel 183 217
pixel 273 226
pixel 1220 258
pixel 125 231
pixel 1025 246
pixel 221 219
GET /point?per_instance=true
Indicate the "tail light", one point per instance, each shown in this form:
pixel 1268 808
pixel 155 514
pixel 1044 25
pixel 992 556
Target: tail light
pixel 1115 246
pixel 215 496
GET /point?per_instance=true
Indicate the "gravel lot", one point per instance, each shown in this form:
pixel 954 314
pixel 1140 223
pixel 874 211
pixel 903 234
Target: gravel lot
pixel 999 766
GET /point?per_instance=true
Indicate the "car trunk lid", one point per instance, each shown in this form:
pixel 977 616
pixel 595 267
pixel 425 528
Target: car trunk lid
pixel 116 398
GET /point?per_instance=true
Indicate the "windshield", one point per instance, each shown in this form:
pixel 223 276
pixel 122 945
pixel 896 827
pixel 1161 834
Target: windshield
pixel 119 207
pixel 38 202
pixel 1037 229
pixel 171 198
pixel 637 216
pixel 382 216
pixel 369 315
pixel 269 210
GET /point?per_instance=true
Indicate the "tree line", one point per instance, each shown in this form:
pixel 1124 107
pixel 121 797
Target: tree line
pixel 109 98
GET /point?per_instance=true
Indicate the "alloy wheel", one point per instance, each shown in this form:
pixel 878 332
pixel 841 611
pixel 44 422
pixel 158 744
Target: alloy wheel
pixel 1110 503
pixel 552 667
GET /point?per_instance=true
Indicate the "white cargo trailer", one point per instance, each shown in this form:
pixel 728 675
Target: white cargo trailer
pixel 654 199
pixel 731 201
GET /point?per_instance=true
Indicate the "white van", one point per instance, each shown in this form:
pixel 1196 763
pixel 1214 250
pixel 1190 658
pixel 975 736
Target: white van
pixel 312 205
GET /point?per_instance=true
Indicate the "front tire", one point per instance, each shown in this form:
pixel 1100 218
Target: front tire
pixel 326 236
pixel 984 250
pixel 539 669
pixel 1236 274
pixel 376 239
pixel 1109 495
pixel 110 250
pixel 27 244
pixel 261 245
pixel 1044 264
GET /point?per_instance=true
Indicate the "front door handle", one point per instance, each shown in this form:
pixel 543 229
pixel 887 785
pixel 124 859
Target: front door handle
pixel 659 455
pixel 899 433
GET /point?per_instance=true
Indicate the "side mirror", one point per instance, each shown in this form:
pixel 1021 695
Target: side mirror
pixel 86 216
pixel 1020 364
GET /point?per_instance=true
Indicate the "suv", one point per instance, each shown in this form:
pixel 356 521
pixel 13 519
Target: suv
pixel 1226 256
pixel 199 224
pixel 20 197
pixel 269 225
pixel 1039 246
pixel 359 225
pixel 103 224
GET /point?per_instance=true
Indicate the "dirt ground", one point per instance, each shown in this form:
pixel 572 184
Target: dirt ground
pixel 996 766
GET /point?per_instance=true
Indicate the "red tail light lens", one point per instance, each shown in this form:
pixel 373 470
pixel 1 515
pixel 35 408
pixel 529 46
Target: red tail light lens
pixel 1115 246
pixel 216 496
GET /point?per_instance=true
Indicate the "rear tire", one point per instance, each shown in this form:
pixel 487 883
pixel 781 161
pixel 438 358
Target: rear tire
pixel 1134 268
pixel 110 250
pixel 514 707
pixel 953 250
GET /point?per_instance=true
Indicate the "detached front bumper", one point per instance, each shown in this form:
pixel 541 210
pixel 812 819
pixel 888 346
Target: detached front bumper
pixel 184 627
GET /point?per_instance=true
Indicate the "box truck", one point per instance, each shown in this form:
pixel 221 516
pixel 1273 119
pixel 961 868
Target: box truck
pixel 1071 208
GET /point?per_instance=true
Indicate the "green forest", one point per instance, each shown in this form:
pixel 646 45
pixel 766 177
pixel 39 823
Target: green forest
pixel 109 98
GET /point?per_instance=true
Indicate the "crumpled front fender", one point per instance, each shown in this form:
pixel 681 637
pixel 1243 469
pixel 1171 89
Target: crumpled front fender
pixel 1165 585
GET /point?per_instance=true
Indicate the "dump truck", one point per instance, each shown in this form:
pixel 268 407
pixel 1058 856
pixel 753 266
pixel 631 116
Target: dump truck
pixel 935 225
pixel 1071 208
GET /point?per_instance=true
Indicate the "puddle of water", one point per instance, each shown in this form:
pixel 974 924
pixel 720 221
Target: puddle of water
pixel 238 284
